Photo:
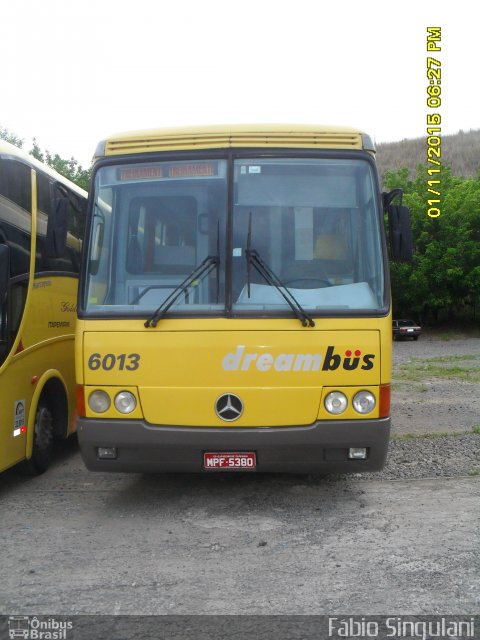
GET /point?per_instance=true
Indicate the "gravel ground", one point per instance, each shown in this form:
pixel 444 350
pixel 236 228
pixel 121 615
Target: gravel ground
pixel 420 457
pixel 433 405
pixel 403 541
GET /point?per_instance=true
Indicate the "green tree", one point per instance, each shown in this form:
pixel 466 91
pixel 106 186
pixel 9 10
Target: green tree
pixel 36 152
pixel 8 136
pixel 70 169
pixel 443 280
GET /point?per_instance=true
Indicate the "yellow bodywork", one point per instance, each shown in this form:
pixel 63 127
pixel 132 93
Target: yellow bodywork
pixel 225 136
pixel 281 371
pixel 45 350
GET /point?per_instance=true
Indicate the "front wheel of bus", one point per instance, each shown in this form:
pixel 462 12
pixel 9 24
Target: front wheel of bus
pixel 42 442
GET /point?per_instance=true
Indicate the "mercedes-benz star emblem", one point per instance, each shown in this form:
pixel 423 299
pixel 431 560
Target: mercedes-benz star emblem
pixel 229 407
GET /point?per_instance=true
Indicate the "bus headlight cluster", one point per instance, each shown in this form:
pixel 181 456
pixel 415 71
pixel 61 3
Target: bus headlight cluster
pixel 336 402
pixel 125 402
pixel 363 402
pixel 99 401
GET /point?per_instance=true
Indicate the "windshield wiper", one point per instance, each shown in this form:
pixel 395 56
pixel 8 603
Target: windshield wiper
pixel 203 269
pixel 254 260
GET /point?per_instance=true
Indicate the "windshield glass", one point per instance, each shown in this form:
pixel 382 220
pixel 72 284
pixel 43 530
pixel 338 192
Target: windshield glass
pixel 313 221
pixel 153 224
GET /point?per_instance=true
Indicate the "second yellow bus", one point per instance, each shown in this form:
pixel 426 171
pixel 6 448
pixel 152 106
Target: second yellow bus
pixel 41 229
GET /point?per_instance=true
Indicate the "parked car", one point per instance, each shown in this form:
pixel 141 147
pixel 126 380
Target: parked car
pixel 403 329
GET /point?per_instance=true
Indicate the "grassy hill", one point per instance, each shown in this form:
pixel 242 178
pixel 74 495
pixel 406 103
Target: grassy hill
pixel 461 151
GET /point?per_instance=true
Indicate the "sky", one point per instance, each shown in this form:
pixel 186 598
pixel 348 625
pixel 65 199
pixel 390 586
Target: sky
pixel 74 73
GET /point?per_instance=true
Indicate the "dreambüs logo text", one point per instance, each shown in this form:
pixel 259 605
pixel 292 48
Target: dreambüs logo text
pixel 241 360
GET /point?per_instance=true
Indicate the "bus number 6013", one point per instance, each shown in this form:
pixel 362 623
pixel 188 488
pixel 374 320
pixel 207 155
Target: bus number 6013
pixel 110 361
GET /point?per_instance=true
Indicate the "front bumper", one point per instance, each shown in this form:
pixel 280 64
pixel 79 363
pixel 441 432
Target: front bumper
pixel 318 448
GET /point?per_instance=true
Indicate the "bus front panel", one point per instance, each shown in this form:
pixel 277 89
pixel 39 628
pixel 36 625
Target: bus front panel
pixel 233 302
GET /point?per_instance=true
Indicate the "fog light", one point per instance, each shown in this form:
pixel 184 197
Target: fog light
pixel 99 401
pixel 107 453
pixel 125 402
pixel 364 402
pixel 357 453
pixel 336 402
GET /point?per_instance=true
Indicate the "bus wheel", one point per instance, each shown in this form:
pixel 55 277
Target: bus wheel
pixel 42 442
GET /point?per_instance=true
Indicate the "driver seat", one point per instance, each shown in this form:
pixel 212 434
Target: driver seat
pixel 331 261
pixel 332 251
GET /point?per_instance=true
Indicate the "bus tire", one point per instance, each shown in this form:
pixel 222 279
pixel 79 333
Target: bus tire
pixel 42 442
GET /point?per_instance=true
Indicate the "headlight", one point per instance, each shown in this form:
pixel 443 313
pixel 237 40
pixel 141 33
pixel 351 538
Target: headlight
pixel 125 402
pixel 336 402
pixel 364 402
pixel 99 401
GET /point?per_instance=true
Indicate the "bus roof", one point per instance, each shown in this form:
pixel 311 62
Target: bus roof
pixel 8 150
pixel 224 136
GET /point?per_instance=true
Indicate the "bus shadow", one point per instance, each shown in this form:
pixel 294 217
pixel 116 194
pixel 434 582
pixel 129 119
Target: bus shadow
pixel 178 492
pixel 64 450
pixel 17 476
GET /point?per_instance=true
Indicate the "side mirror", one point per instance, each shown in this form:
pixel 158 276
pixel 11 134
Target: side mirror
pixel 400 228
pixel 56 240
pixel 4 271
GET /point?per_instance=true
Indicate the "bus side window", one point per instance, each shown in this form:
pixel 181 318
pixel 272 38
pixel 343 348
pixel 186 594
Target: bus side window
pixel 15 233
pixel 47 195
pixel 43 211
pixel 15 214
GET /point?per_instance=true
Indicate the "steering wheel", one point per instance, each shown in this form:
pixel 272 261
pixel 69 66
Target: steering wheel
pixel 308 281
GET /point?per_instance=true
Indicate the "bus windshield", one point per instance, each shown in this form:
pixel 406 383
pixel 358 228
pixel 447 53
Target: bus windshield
pixel 314 221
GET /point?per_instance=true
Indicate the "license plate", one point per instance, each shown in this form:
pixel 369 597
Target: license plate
pixel 410 330
pixel 241 461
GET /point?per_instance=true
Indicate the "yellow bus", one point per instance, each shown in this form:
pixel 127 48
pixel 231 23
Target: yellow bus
pixel 234 306
pixel 41 228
